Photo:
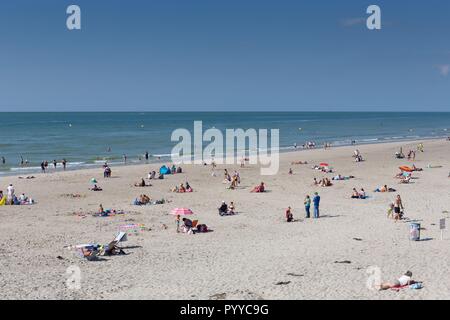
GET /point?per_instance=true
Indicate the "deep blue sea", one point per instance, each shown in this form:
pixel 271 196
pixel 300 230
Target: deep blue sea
pixel 87 139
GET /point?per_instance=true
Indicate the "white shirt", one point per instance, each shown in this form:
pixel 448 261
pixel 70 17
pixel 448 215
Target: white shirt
pixel 404 280
pixel 10 190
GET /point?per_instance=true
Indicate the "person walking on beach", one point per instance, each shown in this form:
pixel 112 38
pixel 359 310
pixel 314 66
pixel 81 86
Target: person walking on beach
pixel 55 163
pixel 146 155
pixel 307 204
pixel 398 208
pixel 124 158
pixel 43 166
pixel 316 201
pixel 64 163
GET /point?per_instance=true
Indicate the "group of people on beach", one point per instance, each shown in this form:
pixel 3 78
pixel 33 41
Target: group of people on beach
pixel 289 216
pixel 11 199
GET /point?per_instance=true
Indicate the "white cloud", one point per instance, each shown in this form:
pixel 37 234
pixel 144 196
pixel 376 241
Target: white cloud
pixel 444 69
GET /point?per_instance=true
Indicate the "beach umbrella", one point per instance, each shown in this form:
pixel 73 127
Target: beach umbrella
pixel 93 180
pixel 324 164
pixel 181 212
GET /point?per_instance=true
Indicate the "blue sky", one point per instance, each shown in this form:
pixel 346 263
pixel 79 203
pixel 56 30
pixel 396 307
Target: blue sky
pixel 224 55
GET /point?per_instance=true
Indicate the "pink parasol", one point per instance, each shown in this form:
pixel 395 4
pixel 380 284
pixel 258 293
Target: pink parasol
pixel 181 212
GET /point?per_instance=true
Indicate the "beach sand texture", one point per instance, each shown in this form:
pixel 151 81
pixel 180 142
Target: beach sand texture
pixel 252 255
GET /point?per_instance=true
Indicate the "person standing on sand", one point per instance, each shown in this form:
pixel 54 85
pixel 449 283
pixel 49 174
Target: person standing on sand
pixel 307 204
pixel 10 194
pixel 316 201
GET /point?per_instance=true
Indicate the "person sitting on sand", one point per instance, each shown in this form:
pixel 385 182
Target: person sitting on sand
pixel 181 189
pixel 188 187
pixel 152 175
pixel 362 194
pixel 231 208
pixel 223 209
pixel 140 184
pixel 100 209
pixel 260 188
pixel 289 215
pixel 187 225
pixel 326 182
pixel 355 194
pixel 144 199
pixel 403 281
pixel 290 171
pixel 315 182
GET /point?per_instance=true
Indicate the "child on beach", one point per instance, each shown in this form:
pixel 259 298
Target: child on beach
pixel 289 215
pixel 307 203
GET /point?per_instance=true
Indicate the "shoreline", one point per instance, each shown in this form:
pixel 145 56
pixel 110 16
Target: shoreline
pixel 283 150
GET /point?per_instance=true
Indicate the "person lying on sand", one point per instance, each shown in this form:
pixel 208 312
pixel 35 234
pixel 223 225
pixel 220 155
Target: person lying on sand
pixel 384 189
pixel 405 179
pixel 299 162
pixel 404 280
pixel 340 177
pixel 416 169
pixel 95 188
pixel 260 188
pixel 142 184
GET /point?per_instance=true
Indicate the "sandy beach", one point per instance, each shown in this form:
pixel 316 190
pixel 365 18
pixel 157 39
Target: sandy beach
pixel 252 255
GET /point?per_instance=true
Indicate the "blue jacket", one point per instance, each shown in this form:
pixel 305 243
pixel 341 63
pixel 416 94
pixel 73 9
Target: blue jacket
pixel 316 201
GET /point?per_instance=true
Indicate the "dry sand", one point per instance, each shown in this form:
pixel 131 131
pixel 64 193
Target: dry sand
pixel 246 255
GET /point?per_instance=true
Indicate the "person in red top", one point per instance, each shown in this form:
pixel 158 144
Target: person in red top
pixel 289 216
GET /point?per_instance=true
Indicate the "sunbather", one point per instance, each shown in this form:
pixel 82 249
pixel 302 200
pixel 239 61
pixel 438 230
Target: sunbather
pixel 141 184
pixel 404 280
pixel 384 189
pixel 96 188
pixel 260 188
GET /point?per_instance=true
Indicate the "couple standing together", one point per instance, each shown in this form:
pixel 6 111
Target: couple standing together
pixel 316 202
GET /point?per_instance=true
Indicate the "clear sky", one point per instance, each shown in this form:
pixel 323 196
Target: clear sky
pixel 224 55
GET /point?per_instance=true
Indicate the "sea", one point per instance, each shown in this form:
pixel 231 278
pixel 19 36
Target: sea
pixel 88 139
